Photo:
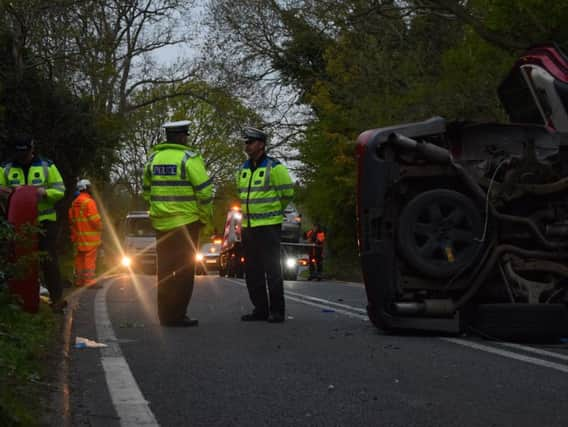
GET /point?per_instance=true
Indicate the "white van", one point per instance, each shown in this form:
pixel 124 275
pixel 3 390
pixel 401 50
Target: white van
pixel 139 243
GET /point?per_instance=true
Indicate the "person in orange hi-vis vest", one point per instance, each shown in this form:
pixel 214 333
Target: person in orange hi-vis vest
pixel 316 236
pixel 86 229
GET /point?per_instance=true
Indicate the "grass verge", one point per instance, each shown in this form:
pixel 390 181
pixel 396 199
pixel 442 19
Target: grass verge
pixel 27 342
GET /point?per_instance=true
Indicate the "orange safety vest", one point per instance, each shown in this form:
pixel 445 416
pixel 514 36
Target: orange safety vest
pixel 86 224
pixel 320 237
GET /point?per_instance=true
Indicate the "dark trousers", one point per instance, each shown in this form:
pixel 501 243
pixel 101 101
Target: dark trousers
pixel 176 250
pixel 317 255
pixel 50 263
pixel 262 266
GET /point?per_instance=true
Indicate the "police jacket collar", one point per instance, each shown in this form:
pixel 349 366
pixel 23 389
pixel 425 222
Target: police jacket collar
pixel 36 161
pixel 261 162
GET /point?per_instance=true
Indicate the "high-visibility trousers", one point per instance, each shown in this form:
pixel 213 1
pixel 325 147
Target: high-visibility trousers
pixel 85 267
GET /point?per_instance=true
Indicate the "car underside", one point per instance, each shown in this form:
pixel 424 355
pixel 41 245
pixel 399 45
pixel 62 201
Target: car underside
pixel 464 226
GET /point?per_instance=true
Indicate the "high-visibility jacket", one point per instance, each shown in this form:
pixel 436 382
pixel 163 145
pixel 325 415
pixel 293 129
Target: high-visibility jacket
pixel 264 192
pixel 41 173
pixel 177 186
pixel 85 221
pixel 317 237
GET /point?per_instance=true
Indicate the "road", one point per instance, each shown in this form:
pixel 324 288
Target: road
pixel 325 366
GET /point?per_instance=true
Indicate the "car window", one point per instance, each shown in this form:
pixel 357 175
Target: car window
pixel 139 227
pixel 210 248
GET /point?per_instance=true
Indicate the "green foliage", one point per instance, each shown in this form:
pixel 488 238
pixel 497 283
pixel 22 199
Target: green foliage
pixel 25 340
pixel 360 65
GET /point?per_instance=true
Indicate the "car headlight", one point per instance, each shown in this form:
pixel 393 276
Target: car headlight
pixel 290 262
pixel 198 257
pixel 126 261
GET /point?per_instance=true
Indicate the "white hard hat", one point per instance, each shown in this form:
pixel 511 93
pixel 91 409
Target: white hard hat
pixel 83 184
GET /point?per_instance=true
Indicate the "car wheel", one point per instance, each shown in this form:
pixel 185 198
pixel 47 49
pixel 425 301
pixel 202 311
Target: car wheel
pixel 439 232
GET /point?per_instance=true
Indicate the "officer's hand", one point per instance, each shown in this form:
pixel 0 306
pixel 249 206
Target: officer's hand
pixel 5 192
pixel 41 192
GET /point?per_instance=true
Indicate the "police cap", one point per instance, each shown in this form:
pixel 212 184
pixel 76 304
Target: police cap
pixel 181 126
pixel 253 134
pixel 23 142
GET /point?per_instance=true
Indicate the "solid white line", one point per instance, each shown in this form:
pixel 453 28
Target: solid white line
pixel 509 354
pixel 131 407
pixel 321 303
pixel 324 301
pixel 535 350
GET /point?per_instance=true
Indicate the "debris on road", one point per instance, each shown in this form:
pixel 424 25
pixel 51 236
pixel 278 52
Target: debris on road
pixel 81 342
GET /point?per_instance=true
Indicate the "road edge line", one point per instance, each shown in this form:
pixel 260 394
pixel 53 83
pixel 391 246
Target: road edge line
pixel 130 405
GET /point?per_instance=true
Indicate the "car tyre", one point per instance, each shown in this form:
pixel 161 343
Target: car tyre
pixel 439 231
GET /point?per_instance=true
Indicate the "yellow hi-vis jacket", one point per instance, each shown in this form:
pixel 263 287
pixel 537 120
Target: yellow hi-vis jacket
pixel 264 192
pixel 177 187
pixel 41 173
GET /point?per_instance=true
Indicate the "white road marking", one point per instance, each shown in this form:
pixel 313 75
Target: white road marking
pixel 326 304
pixel 325 301
pixel 133 410
pixel 317 302
pixel 509 354
pixel 535 350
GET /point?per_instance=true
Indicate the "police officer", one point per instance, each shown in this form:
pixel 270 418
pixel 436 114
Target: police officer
pixel 27 168
pixel 179 191
pixel 265 189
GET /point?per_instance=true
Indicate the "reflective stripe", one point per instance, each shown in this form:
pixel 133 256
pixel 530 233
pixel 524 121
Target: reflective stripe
pixel 186 156
pixel 45 167
pixel 284 187
pixel 262 200
pixel 171 184
pixel 46 212
pixel 205 201
pixel 7 172
pixel 74 220
pixel 172 198
pixel 94 216
pixel 149 164
pixel 255 189
pixel 205 184
pixel 88 233
pixel 267 175
pixel 96 243
pixel 58 186
pixel 263 215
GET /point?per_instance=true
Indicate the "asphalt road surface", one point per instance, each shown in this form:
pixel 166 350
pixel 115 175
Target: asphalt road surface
pixel 325 366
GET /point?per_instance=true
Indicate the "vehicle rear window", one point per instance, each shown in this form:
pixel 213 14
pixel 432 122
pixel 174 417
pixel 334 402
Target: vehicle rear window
pixel 210 248
pixel 141 227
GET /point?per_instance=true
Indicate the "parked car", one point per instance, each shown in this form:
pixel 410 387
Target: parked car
pixel 232 258
pixel 208 258
pixel 295 259
pixel 139 248
pixel 291 225
pixel 465 225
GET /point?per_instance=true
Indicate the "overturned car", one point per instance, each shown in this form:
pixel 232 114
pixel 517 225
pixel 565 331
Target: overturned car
pixel 464 226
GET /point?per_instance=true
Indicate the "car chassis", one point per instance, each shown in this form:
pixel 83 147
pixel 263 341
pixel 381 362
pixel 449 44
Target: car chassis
pixel 464 226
